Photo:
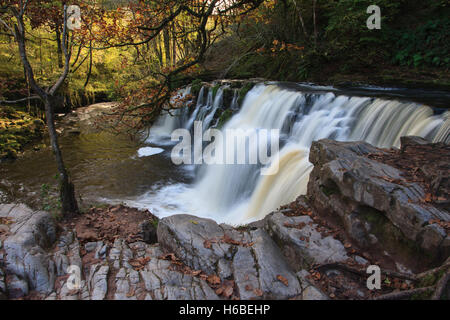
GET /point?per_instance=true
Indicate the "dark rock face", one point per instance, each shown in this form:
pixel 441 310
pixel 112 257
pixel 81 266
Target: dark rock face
pixel 148 232
pixel 372 200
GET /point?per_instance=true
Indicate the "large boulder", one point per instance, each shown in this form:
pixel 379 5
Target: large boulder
pixel 30 235
pixel 301 243
pixel 248 256
pixel 372 199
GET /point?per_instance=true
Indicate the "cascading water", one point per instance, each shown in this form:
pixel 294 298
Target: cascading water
pixel 238 194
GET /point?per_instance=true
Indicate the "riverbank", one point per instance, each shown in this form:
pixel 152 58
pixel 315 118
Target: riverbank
pixel 18 129
pixel 305 250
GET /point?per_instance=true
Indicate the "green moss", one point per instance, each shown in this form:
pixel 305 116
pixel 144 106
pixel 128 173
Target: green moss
pixel 214 90
pixel 17 129
pixel 243 92
pixel 330 188
pixel 196 86
pixel 392 237
pixel 224 117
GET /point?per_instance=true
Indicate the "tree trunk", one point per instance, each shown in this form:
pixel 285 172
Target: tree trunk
pixel 315 23
pixel 166 38
pixel 67 190
pixel 158 51
pixel 174 48
pixel 59 48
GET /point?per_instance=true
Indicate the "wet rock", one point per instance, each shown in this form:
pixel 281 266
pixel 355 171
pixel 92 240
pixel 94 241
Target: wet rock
pixel 372 198
pixel 98 281
pixel 90 246
pixel 123 286
pixel 51 296
pixel 412 141
pixel 185 236
pixel 16 287
pixel 309 292
pixel 257 265
pixel 2 281
pixel 67 294
pixel 360 260
pixel 32 233
pixel 271 265
pixel 163 284
pixel 301 243
pixel 61 263
pixel 101 250
pixel 247 258
pixel 148 232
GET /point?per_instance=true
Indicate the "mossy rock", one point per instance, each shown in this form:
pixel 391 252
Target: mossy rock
pixel 224 117
pixel 243 92
pixel 214 90
pixel 392 237
pixel 196 86
pixel 17 129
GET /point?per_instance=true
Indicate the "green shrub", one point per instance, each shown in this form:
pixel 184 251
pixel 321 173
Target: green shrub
pixel 427 45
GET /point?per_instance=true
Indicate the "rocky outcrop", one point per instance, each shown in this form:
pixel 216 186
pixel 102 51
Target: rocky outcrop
pixel 373 201
pixel 301 243
pixel 31 234
pixel 249 257
pixel 83 120
pixel 194 259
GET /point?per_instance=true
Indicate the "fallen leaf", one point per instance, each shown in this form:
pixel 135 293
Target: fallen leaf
pixel 219 291
pixel 228 292
pixel 131 293
pixel 213 279
pixel 283 280
pixel 207 244
pixel 258 292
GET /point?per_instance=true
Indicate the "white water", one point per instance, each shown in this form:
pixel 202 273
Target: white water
pixel 238 194
pixel 149 151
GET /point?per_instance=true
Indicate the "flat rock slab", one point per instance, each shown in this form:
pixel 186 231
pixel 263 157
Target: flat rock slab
pixel 301 243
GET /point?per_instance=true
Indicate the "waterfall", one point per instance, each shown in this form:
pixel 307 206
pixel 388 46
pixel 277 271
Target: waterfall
pixel 238 194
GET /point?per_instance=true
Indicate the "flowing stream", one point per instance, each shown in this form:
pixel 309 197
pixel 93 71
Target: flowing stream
pixel 119 171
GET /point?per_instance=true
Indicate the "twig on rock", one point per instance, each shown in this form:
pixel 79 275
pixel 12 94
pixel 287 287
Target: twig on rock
pixel 403 294
pixel 441 285
pixel 362 272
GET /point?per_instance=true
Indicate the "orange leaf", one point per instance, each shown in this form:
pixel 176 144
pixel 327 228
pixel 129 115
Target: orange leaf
pixel 213 279
pixel 283 280
pixel 228 292
pixel 258 292
pixel 207 244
